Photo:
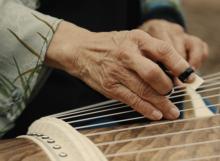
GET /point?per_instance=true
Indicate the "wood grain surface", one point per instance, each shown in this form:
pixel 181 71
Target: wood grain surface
pixel 21 150
pixel 186 139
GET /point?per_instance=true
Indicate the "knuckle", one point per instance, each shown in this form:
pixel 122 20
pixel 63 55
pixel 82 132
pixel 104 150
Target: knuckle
pixel 132 99
pixel 136 102
pixel 164 49
pixel 145 91
pixel 163 101
pixel 178 28
pixel 138 36
pixel 107 84
pixel 123 54
pixel 152 73
pixel 141 90
pixel 137 32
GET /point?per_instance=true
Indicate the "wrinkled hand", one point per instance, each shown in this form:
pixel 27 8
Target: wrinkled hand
pixel 120 65
pixel 193 49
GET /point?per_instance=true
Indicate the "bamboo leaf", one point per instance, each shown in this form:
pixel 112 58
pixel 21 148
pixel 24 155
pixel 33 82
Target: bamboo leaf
pixel 25 44
pixel 27 72
pixel 31 76
pixel 19 73
pixel 45 22
pixel 7 81
pixel 4 90
pixel 43 37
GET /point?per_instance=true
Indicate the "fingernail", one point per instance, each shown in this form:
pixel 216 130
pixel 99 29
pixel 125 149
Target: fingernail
pixel 184 77
pixel 174 113
pixel 157 115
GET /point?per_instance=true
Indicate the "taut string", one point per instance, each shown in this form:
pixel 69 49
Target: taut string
pixel 147 125
pixel 121 107
pixel 130 119
pixel 157 136
pixel 202 158
pixel 114 102
pixel 120 154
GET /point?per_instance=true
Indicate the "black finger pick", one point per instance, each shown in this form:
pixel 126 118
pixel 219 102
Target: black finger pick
pixel 185 75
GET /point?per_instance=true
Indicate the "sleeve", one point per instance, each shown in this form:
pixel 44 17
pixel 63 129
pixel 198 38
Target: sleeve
pixel 162 9
pixel 24 38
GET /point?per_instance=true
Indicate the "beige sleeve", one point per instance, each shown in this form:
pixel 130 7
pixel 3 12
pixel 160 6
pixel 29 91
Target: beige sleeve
pixel 24 38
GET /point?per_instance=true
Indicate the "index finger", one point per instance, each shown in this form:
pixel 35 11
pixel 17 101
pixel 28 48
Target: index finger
pixel 161 51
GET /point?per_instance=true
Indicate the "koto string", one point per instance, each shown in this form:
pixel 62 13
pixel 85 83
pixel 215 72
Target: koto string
pixel 147 125
pixel 157 136
pixel 85 109
pixel 114 101
pixel 132 111
pixel 135 118
pixel 120 154
pixel 203 158
pixel 122 120
pixel 211 75
pixel 120 107
pixel 94 112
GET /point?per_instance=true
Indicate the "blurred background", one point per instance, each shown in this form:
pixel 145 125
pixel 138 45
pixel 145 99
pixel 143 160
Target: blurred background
pixel 203 20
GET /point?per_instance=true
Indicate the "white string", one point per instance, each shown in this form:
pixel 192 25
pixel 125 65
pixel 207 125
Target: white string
pixel 200 91
pixel 107 123
pixel 211 75
pixel 91 107
pixel 188 100
pixel 161 148
pixel 95 112
pixel 148 125
pixel 130 111
pixel 202 158
pixel 141 117
pixel 103 116
pixel 87 108
pixel 157 136
pixel 119 107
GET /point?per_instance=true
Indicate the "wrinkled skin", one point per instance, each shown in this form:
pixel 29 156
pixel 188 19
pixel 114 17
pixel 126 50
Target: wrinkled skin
pixel 191 48
pixel 120 65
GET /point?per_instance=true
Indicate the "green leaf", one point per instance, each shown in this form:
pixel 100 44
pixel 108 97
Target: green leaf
pixel 45 22
pixel 31 76
pixel 43 37
pixel 27 72
pixel 19 73
pixel 25 44
pixel 4 90
pixel 7 82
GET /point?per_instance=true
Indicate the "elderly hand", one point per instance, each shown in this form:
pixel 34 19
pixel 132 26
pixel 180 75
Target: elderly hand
pixel 120 65
pixel 193 49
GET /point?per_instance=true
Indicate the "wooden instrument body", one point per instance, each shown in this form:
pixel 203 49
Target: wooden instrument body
pixel 21 149
pixel 182 140
pixel 191 138
pixel 173 141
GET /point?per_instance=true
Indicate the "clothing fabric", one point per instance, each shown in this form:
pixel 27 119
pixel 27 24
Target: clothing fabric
pixel 24 39
pixel 25 35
